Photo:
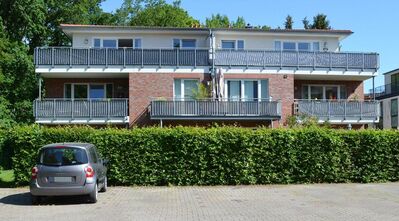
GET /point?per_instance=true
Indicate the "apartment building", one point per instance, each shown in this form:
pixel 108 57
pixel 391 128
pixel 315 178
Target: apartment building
pixel 149 75
pixel 388 95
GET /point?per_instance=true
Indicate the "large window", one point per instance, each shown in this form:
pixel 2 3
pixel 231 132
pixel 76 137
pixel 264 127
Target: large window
pixel 394 113
pixel 233 44
pixel 324 92
pixel 117 43
pixel 105 43
pixel 246 90
pixel 184 43
pixel 296 46
pixel 88 91
pixel 185 88
pixel 395 83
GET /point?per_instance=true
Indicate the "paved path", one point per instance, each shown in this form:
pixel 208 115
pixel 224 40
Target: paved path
pixel 293 202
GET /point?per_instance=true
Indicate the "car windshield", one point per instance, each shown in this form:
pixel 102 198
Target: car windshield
pixel 61 156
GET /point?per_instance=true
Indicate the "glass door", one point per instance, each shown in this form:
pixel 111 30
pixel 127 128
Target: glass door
pixel 234 90
pixel 250 90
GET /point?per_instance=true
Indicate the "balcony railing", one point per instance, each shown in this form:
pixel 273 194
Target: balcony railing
pixel 297 59
pixel 214 109
pixel 386 91
pixel 123 57
pixel 339 110
pixel 85 111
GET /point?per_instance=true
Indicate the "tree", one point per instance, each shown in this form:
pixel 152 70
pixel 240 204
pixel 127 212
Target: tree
pixel 161 14
pixel 305 22
pixel 320 22
pixel 17 81
pixel 288 22
pixel 217 21
pixel 239 23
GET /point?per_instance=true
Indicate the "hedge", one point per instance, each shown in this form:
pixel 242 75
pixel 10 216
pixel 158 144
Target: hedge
pixel 222 155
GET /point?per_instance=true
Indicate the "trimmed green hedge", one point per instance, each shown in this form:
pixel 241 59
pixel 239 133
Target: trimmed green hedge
pixel 222 155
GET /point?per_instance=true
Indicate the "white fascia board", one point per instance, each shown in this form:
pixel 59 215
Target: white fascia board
pixel 124 70
pixel 298 72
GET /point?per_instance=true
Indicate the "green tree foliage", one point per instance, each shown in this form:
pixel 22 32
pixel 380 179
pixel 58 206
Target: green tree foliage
pixel 17 81
pixel 161 14
pixel 305 23
pixel 239 23
pixel 217 21
pixel 320 21
pixel 288 22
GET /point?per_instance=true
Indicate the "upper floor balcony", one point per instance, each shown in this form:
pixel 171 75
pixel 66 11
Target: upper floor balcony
pixel 69 57
pixel 386 91
pixel 348 61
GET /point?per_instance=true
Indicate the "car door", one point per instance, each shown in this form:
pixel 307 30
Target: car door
pixel 99 164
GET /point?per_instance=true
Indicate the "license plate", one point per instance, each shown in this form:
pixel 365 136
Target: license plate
pixel 63 179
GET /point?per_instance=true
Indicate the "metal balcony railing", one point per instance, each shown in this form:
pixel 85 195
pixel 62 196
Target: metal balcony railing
pixel 297 59
pixel 123 57
pixel 215 109
pixel 81 109
pixel 385 91
pixel 339 110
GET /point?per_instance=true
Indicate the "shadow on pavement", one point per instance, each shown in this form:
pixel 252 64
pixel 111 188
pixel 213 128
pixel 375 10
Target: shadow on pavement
pixel 23 199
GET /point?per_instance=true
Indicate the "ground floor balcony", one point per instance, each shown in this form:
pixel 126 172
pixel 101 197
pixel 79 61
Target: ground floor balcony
pixel 340 111
pixel 215 110
pixel 81 111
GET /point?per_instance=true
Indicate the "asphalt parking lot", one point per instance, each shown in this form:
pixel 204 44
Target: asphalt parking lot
pixel 270 202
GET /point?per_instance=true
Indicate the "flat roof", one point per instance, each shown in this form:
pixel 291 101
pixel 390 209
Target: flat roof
pixel 66 27
pixel 392 71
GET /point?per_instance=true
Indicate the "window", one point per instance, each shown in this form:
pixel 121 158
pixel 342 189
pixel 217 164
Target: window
pixel 176 43
pixel 125 43
pixel 80 91
pixel 289 46
pixel 62 156
pixel 228 44
pixel 240 45
pixel 85 91
pixel 188 43
pixel 296 46
pixel 93 155
pixel 303 46
pixel 247 90
pixel 97 91
pixel 105 43
pixel 109 43
pixel 394 113
pixel 97 43
pixel 316 46
pixel 185 88
pixel 277 45
pixel 137 43
pixel 395 83
pixel 324 92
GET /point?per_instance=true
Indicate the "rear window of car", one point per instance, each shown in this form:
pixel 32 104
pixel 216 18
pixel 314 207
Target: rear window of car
pixel 62 156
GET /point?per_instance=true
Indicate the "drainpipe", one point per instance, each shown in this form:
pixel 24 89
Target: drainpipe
pixel 40 87
pixel 213 72
pixel 373 89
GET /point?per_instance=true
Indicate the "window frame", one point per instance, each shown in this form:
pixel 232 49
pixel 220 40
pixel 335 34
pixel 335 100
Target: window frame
pixel 324 91
pixel 297 42
pixel 180 40
pixel 242 89
pixel 88 90
pixel 235 41
pixel 182 88
pixel 394 114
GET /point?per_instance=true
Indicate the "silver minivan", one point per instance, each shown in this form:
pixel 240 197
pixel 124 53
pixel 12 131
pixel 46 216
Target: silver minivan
pixel 64 169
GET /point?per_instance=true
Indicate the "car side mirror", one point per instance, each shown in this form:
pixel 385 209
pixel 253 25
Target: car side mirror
pixel 105 162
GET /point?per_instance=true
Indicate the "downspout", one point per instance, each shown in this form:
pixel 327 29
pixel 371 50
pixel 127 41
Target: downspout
pixel 213 71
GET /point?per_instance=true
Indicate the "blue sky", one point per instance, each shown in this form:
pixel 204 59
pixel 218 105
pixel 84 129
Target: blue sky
pixel 373 22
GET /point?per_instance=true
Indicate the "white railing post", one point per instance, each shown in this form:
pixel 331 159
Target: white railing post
pixel 345 110
pixel 329 110
pixel 195 57
pixel 108 108
pixel 90 109
pixel 52 57
pixel 361 109
pixel 88 57
pixel 72 108
pixel 70 57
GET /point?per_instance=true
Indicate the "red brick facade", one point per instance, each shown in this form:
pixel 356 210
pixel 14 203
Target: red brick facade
pixel 354 89
pixel 141 87
pixel 54 87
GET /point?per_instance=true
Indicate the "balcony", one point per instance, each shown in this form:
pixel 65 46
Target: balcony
pixel 386 91
pixel 298 59
pixel 340 111
pixel 214 109
pixel 119 57
pixel 92 111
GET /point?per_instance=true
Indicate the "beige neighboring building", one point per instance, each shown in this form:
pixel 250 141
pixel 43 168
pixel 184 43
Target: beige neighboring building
pixel 388 95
